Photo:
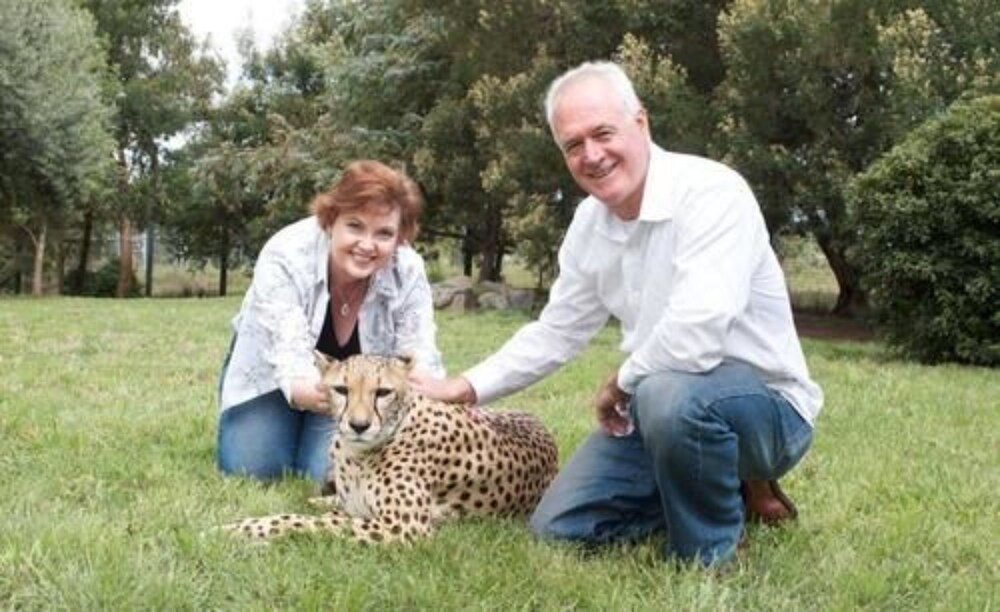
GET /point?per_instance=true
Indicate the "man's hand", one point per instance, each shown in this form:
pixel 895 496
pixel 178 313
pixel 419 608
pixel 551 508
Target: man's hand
pixel 454 389
pixel 611 404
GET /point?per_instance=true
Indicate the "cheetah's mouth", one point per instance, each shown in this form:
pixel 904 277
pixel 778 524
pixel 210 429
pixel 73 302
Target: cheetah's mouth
pixel 369 439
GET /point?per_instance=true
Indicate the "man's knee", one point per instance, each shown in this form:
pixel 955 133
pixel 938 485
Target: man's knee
pixel 542 525
pixel 668 404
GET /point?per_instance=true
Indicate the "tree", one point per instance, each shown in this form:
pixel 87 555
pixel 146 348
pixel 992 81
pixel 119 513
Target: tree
pixel 484 152
pixel 816 90
pixel 165 86
pixel 453 89
pixel 52 117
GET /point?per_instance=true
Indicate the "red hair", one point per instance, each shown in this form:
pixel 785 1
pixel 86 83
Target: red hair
pixel 370 183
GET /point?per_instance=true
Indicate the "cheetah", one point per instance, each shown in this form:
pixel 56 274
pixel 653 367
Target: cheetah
pixel 402 463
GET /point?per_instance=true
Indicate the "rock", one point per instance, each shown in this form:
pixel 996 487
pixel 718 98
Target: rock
pixel 494 300
pixel 522 299
pixel 463 300
pixel 461 294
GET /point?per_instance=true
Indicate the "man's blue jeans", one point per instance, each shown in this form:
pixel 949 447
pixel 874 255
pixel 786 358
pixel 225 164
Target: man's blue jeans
pixel 696 437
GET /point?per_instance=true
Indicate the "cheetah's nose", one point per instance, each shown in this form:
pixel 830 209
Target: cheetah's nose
pixel 359 426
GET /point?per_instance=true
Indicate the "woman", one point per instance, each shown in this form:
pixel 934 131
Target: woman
pixel 343 281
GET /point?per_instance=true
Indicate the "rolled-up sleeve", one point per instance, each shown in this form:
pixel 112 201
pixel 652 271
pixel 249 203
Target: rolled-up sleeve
pixel 572 316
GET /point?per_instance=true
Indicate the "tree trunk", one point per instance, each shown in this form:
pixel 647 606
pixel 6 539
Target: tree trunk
pixel 492 253
pixel 81 266
pixel 150 226
pixel 37 284
pixel 468 253
pixel 223 266
pixel 851 299
pixel 60 266
pixel 125 257
pixel 488 269
pixel 150 244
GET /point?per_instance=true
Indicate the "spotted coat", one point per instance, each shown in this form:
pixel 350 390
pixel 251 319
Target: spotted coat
pixel 401 463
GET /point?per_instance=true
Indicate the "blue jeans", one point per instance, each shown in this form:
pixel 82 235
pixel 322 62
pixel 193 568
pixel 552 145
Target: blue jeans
pixel 266 438
pixel 696 437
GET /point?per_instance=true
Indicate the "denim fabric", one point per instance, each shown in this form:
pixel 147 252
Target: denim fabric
pixel 696 437
pixel 265 438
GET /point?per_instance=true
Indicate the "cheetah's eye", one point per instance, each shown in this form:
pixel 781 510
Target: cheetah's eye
pixel 340 389
pixel 382 392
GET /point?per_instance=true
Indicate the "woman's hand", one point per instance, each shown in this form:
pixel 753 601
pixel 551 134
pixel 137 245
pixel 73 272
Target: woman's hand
pixel 454 389
pixel 309 395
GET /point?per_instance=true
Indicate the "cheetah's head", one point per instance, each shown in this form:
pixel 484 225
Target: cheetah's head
pixel 367 396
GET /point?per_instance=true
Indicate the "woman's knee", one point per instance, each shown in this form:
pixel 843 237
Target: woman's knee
pixel 257 439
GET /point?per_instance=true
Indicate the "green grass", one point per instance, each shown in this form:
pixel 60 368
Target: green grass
pixel 107 434
pixel 811 282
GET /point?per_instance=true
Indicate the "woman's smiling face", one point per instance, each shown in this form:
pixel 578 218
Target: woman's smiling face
pixel 362 241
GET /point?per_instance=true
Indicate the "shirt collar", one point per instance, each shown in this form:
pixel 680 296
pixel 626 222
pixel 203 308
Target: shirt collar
pixel 385 281
pixel 322 256
pixel 656 205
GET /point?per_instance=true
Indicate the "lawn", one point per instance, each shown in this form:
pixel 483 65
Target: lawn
pixel 107 425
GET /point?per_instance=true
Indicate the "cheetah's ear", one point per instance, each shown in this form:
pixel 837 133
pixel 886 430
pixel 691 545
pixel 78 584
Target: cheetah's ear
pixel 407 360
pixel 323 361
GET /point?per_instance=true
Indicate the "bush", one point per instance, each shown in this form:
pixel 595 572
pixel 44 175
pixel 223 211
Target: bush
pixel 102 282
pixel 928 216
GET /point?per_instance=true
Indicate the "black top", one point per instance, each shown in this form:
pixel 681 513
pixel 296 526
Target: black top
pixel 327 342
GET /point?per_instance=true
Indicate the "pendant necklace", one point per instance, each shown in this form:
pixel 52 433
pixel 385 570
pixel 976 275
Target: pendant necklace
pixel 345 299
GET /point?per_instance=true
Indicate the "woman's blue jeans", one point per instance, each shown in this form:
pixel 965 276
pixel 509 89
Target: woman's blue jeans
pixel 696 437
pixel 266 438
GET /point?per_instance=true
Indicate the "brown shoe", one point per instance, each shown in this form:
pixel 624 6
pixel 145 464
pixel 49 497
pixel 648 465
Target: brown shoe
pixel 766 503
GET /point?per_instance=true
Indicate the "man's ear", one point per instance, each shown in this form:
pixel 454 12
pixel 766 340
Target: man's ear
pixel 323 362
pixel 643 120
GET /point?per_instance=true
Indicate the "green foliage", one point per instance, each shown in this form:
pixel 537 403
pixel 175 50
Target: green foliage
pixel 102 282
pixel 164 83
pixel 815 91
pixel 107 439
pixel 928 221
pixel 54 123
pixel 454 90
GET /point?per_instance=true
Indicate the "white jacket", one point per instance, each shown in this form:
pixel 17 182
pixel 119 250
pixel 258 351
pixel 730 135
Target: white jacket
pixel 282 314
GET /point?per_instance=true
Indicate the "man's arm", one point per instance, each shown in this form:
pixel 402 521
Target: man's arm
pixel 572 316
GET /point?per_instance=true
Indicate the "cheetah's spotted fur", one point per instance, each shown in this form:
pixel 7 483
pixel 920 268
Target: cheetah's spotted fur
pixel 402 463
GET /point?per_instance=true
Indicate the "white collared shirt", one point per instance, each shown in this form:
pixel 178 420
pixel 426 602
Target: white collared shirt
pixel 693 281
pixel 283 310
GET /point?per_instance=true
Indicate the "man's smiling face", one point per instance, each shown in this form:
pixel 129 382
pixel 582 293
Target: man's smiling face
pixel 605 146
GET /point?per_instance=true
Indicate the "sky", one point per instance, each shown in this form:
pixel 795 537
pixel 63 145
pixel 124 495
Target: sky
pixel 222 19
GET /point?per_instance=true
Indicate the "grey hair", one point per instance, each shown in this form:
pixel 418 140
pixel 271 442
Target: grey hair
pixel 609 72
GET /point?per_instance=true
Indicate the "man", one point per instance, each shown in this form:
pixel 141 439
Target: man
pixel 714 401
